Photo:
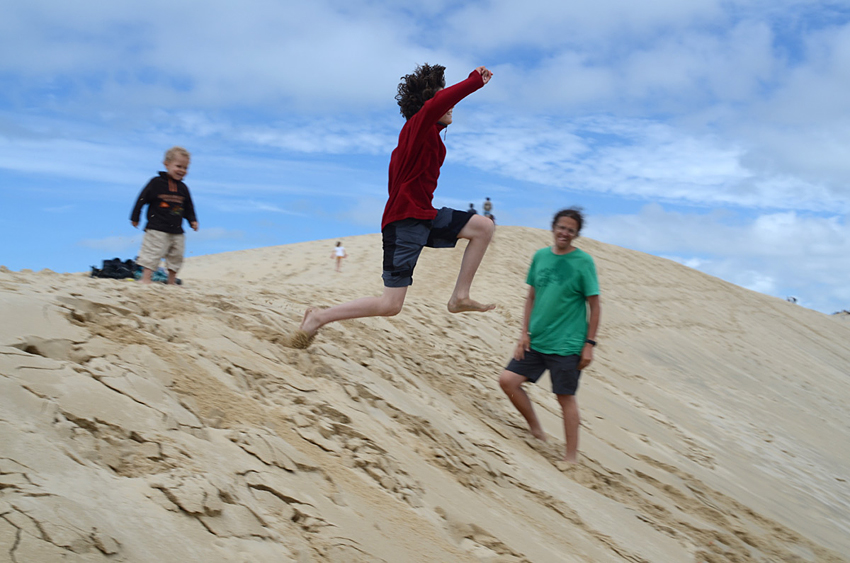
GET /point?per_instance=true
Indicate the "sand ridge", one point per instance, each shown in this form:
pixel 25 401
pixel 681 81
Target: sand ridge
pixel 174 424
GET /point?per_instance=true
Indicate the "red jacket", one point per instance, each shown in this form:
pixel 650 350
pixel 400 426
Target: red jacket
pixel 416 161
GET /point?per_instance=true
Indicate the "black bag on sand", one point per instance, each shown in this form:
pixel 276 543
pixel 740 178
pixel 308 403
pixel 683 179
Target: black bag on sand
pixel 116 269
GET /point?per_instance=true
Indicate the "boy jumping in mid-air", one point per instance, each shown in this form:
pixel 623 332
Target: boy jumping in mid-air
pixel 410 221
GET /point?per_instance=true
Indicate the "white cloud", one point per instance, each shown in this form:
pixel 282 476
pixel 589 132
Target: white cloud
pixel 785 235
pixel 308 54
pixel 495 23
pixel 321 136
pixel 776 253
pixel 756 281
pixel 69 158
pixel 635 158
pixel 698 68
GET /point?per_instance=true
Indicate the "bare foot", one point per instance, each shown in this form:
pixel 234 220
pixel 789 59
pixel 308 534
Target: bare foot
pixel 310 323
pixel 566 466
pixel 571 459
pixel 306 333
pixel 466 305
pixel 539 434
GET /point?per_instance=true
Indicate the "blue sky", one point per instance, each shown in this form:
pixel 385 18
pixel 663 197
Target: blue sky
pixel 714 133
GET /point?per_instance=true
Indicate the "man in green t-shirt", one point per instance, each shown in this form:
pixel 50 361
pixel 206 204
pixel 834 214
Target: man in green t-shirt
pixel 559 326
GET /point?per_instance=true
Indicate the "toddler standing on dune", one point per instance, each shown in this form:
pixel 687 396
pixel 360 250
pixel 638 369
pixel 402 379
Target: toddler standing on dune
pixel 169 202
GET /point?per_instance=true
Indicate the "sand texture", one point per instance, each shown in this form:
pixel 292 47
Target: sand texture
pixel 175 424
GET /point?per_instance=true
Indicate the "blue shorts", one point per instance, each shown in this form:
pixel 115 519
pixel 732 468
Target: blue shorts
pixel 563 370
pixel 404 240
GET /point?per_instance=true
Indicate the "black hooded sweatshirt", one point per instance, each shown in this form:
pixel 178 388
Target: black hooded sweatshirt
pixel 168 202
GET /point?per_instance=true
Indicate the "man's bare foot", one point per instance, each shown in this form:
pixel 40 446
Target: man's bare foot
pixel 539 434
pixel 571 459
pixel 467 305
pixel 567 466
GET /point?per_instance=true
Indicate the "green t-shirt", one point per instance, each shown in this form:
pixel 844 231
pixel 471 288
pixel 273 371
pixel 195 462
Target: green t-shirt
pixel 562 284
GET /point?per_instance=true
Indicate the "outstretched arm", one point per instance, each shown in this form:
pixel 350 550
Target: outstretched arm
pixel 447 98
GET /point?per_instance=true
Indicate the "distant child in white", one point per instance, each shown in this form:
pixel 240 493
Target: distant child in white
pixel 339 254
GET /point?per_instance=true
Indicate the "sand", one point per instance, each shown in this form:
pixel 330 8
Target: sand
pixel 168 424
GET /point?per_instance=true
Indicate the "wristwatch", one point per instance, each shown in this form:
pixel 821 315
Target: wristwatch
pixel 591 342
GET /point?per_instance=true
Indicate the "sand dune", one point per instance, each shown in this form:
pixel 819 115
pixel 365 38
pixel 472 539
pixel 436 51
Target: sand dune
pixel 168 424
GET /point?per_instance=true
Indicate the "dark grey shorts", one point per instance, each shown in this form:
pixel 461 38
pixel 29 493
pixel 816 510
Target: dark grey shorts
pixel 403 242
pixel 563 370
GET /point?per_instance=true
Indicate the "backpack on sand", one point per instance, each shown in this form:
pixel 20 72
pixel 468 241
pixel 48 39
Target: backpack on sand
pixel 115 268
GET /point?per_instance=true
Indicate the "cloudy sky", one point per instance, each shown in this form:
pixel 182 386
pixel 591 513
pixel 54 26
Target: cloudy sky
pixel 715 133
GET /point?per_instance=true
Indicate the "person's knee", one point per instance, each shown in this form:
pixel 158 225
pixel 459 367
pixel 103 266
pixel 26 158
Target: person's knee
pixel 391 306
pixel 390 302
pixel 478 228
pixel 484 227
pixel 569 405
pixel 567 401
pixel 490 228
pixel 509 382
pixel 392 309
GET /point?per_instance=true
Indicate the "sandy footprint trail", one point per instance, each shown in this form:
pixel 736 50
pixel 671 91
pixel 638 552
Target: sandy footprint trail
pixel 172 424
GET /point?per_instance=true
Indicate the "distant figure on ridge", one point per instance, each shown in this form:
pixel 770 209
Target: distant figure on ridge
pixel 559 325
pixel 488 208
pixel 472 209
pixel 169 202
pixel 410 221
pixel 339 254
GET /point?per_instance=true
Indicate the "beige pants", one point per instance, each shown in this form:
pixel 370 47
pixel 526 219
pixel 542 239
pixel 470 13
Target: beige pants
pixel 158 245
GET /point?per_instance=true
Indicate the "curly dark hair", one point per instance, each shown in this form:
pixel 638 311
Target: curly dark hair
pixel 418 87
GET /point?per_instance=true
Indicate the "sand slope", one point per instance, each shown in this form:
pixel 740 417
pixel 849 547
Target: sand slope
pixel 172 424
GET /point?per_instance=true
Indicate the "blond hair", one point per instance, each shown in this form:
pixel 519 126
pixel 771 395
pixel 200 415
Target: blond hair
pixel 174 152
